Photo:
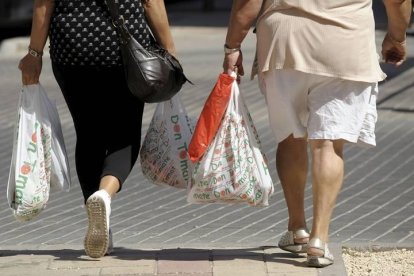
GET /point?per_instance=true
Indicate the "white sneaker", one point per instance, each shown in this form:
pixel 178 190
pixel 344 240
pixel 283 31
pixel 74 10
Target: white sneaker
pixel 98 207
pixel 110 244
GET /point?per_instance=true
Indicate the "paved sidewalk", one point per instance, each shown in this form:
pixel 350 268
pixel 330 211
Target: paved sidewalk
pixel 156 232
pixel 131 260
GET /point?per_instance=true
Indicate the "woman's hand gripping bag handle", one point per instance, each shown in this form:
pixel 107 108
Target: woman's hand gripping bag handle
pixel 210 117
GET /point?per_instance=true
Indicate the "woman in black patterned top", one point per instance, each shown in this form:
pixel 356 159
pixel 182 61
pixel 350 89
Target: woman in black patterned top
pixel 87 65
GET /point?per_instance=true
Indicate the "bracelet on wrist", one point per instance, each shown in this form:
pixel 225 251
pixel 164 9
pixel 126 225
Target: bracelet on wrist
pixel 34 53
pixel 228 50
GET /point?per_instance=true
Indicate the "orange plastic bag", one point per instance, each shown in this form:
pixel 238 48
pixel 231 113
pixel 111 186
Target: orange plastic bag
pixel 210 117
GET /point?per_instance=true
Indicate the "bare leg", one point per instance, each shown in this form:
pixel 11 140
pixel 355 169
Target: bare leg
pixel 110 184
pixel 327 178
pixel 292 168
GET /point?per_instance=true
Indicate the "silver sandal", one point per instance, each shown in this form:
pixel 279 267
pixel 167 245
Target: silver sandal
pixel 287 241
pixel 319 261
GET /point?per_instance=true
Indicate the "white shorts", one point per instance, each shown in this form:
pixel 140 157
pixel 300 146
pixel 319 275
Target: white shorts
pixel 320 107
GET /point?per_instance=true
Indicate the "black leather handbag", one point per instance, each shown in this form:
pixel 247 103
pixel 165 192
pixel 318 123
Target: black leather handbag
pixel 153 75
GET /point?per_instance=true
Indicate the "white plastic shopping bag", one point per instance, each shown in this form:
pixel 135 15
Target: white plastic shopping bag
pixel 233 168
pixel 60 173
pixel 39 156
pixel 163 155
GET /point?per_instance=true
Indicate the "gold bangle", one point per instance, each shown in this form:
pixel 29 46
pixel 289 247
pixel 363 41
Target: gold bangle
pixel 34 53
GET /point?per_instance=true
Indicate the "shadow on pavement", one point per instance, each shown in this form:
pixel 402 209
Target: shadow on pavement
pixel 176 254
pixel 60 254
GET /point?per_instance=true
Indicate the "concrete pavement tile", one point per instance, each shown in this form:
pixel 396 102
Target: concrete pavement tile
pixel 238 252
pixel 182 274
pixel 278 261
pixel 182 266
pixel 106 262
pixel 184 254
pixel 183 260
pixel 224 260
pixel 131 270
pixel 338 267
pixel 227 271
pixel 22 265
pixel 124 253
pixel 284 266
pixel 255 270
pixel 24 260
pixel 296 273
pixel 72 272
pixel 238 265
pixel 17 271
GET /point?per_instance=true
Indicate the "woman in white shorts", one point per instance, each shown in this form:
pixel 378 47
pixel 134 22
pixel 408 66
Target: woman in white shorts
pixel 318 68
pixel 318 107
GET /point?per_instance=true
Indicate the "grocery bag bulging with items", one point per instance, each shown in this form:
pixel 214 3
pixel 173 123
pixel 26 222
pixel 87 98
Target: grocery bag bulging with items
pixel 163 155
pixel 38 156
pixel 233 168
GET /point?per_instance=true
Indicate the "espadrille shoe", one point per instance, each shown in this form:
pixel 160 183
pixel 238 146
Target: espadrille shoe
pixel 98 207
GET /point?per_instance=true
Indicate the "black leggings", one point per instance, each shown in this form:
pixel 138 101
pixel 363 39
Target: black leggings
pixel 107 120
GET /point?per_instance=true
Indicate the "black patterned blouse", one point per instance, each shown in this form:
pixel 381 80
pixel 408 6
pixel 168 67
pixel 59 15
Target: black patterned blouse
pixel 81 32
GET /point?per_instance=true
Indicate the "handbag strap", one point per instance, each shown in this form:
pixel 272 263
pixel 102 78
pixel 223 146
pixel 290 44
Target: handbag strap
pixel 118 21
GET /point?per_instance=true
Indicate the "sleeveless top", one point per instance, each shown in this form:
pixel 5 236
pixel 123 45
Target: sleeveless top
pixel 331 38
pixel 81 32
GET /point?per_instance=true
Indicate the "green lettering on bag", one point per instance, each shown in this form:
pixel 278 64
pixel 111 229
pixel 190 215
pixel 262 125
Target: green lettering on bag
pixel 18 196
pixel 202 182
pixel 174 119
pixel 171 172
pixel 202 196
pixel 259 194
pixel 252 183
pixel 21 182
pixel 184 169
pixel 266 169
pixel 36 199
pixel 243 178
pixel 183 147
pixel 215 166
pixel 177 136
pixel 32 147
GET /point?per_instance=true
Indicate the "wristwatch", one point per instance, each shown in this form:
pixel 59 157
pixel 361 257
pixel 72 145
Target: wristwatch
pixel 228 50
pixel 34 53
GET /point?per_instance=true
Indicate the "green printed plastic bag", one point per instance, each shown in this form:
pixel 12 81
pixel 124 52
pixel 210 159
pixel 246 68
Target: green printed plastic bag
pixel 233 169
pixel 34 151
pixel 163 155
